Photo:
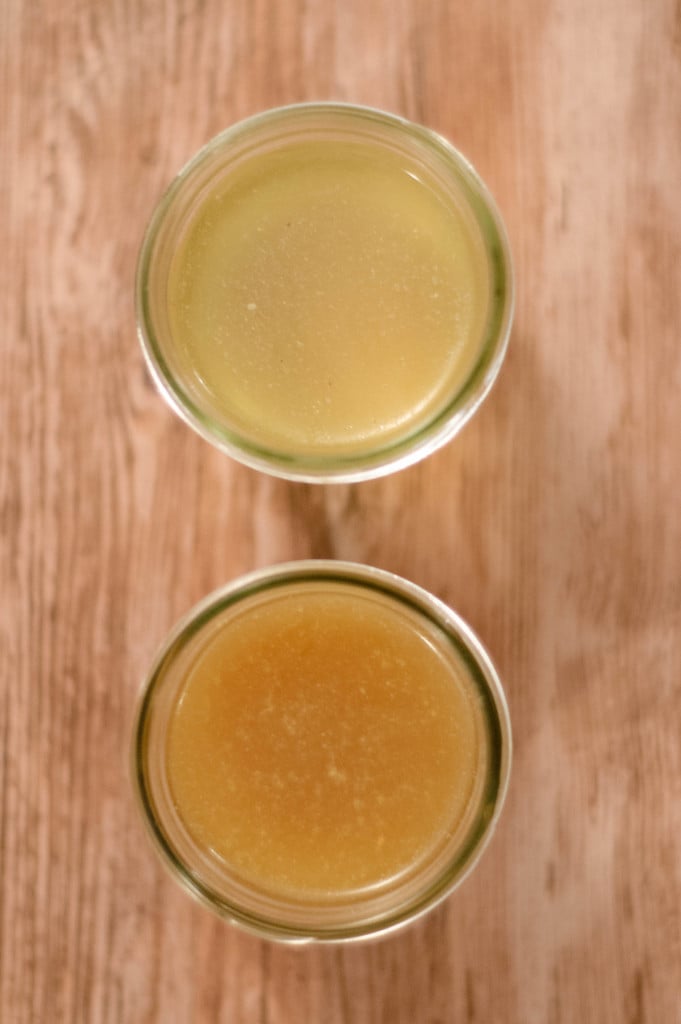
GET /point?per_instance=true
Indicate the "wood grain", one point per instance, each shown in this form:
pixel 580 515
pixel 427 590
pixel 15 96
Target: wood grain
pixel 551 523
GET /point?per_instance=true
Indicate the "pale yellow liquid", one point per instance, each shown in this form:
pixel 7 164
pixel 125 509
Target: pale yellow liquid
pixel 324 742
pixel 328 298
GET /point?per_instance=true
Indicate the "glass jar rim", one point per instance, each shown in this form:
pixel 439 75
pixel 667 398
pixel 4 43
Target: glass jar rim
pixel 466 854
pixel 405 449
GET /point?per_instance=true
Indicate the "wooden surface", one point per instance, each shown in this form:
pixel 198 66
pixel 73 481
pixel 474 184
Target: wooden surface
pixel 552 523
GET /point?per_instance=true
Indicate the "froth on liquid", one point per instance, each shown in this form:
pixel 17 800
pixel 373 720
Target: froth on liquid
pixel 323 742
pixel 327 297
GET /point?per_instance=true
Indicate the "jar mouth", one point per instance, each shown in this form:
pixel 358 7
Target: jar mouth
pixel 270 132
pixel 343 916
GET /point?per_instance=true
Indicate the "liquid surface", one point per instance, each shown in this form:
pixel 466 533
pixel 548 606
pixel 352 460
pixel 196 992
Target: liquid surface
pixel 321 745
pixel 328 298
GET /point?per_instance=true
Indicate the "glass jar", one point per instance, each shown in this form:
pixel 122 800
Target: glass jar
pixel 368 781
pixel 325 292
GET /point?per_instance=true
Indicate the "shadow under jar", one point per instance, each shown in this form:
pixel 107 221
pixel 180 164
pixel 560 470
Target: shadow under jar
pixel 325 292
pixel 321 752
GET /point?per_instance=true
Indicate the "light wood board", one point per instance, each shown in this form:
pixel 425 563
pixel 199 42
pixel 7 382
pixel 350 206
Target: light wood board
pixel 552 523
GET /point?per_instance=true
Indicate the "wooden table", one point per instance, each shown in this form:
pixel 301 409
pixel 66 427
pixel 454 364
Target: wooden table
pixel 551 523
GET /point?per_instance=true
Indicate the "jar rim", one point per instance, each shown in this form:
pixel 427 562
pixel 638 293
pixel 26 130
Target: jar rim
pixel 416 443
pixel 270 922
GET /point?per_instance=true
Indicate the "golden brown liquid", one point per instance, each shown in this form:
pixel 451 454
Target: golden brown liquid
pixel 324 741
pixel 328 297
